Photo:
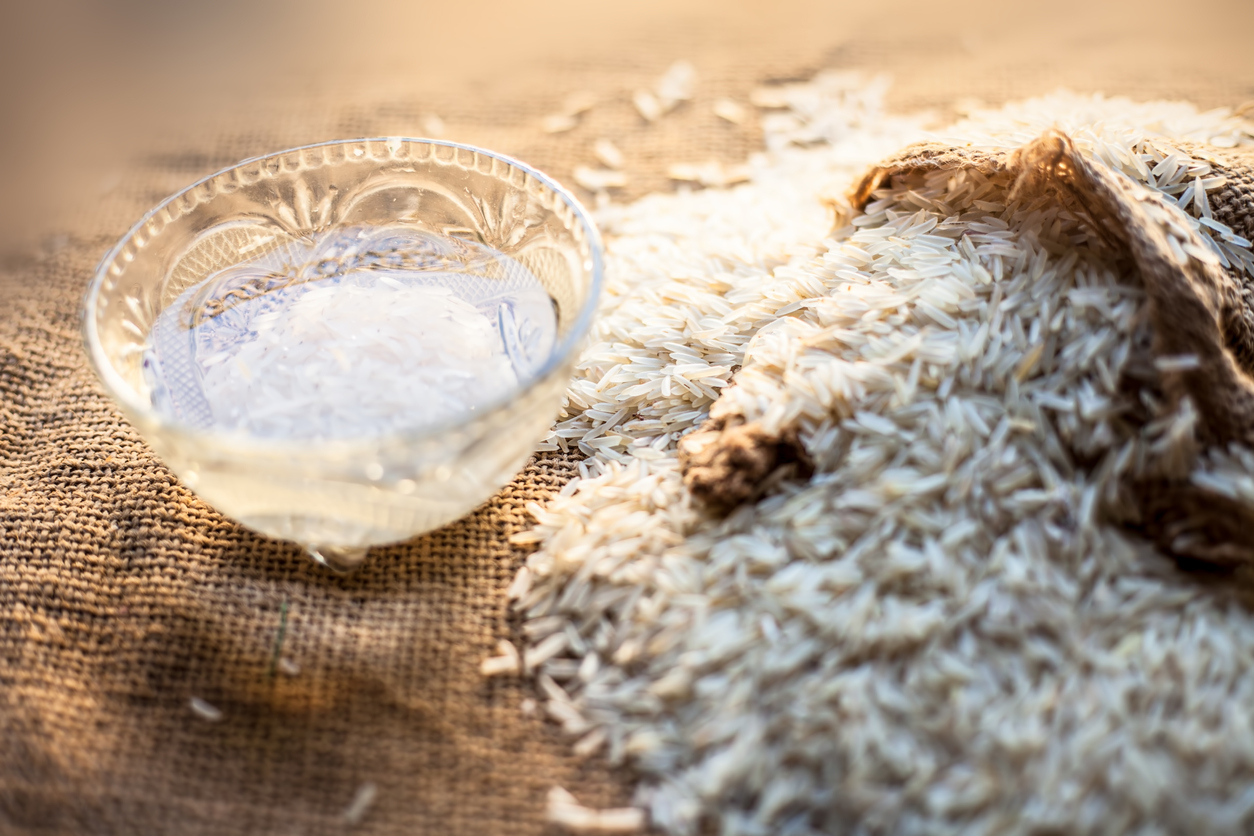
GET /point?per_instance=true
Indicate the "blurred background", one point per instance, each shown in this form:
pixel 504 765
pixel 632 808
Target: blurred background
pixel 91 90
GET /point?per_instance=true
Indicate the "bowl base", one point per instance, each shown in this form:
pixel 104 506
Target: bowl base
pixel 339 559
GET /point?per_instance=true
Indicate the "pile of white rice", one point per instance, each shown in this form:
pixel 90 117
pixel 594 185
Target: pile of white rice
pixel 940 632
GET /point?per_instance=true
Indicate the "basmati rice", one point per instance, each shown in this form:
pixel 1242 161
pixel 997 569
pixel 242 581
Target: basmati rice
pixel 941 630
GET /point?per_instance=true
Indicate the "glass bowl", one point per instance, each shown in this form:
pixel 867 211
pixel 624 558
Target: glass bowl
pixel 339 496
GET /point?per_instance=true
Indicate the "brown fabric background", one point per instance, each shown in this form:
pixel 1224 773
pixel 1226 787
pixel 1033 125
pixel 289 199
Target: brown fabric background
pixel 122 595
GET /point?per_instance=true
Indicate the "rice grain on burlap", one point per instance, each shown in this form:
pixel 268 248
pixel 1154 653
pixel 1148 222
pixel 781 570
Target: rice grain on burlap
pixel 1196 308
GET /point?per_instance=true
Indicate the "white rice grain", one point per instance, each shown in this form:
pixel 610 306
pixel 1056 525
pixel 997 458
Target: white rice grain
pixel 204 710
pixel 363 798
pixel 567 813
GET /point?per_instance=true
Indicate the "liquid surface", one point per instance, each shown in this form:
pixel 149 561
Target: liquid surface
pixel 355 332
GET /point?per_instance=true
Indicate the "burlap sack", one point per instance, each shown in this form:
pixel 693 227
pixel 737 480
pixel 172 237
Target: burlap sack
pixel 1195 308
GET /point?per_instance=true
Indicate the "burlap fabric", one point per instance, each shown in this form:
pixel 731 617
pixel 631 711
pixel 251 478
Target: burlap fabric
pixel 122 596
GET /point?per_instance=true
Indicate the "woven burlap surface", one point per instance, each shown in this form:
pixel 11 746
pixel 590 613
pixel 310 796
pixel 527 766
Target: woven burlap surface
pixel 123 596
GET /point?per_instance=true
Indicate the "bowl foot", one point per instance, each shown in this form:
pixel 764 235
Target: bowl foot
pixel 339 559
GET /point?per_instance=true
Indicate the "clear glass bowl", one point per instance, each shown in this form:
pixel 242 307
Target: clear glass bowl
pixel 342 496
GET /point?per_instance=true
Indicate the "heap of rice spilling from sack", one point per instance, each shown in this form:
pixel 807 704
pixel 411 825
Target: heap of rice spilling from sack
pixel 931 602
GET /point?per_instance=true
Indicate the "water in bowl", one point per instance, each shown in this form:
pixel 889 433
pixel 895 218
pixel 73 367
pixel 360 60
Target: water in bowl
pixel 348 333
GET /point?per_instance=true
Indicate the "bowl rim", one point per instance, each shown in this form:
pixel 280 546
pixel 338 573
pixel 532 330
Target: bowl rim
pixel 126 396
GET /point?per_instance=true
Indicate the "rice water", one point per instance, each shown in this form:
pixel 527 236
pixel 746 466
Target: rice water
pixel 350 333
pixel 358 333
